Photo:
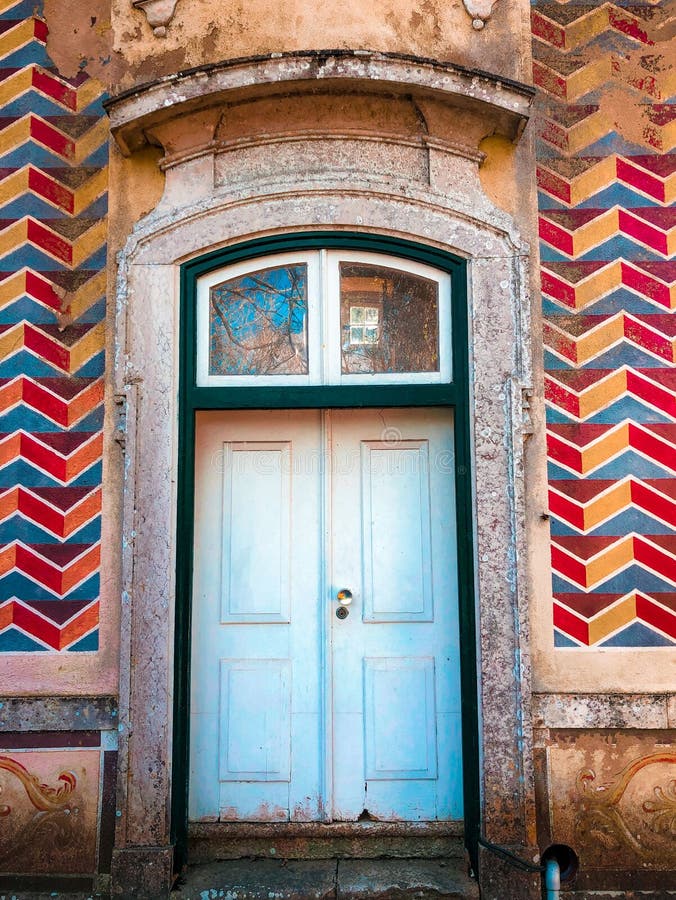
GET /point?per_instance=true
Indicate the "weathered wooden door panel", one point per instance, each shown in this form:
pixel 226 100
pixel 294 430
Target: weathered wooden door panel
pixel 298 714
pixel 396 687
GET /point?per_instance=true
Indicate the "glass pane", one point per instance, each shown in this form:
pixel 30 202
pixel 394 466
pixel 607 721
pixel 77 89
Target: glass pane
pixel 258 323
pixel 389 320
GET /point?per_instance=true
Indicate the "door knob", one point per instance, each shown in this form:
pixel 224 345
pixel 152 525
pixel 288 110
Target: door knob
pixel 344 597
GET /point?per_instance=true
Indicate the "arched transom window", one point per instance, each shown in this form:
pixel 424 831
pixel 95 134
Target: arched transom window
pixel 324 317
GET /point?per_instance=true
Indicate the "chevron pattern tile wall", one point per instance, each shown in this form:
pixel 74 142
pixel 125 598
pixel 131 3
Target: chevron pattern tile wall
pixel 607 183
pixel 53 199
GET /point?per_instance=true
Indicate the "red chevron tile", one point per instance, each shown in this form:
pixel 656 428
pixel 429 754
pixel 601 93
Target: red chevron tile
pixel 64 400
pixel 653 175
pixel 63 455
pixel 60 510
pixel 58 567
pixel 29 619
pixel 656 614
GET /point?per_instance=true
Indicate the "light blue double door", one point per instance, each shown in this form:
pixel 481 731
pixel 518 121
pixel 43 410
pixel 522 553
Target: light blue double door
pixel 304 706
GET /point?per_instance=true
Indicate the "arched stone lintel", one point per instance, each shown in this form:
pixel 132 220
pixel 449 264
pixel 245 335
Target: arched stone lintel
pixel 133 113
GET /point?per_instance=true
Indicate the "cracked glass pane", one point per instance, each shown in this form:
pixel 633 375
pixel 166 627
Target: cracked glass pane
pixel 389 320
pixel 258 323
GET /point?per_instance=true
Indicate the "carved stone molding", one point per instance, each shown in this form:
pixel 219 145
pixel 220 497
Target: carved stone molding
pixel 480 11
pixel 158 12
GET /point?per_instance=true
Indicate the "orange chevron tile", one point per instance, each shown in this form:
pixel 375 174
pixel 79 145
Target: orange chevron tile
pixel 63 400
pixel 63 456
pixel 580 339
pixel 47 185
pixel 29 620
pixel 574 232
pixel 617 616
pixel 583 448
pixel 584 392
pixel 577 284
pixel 67 349
pixel 572 128
pixel 62 511
pixel 38 286
pixel 569 78
pixel 58 567
pixel 574 180
pixel 586 504
pixel 590 560
pixel 72 148
pixel 48 238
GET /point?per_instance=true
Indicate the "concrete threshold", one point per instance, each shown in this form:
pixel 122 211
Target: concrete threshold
pixel 344 879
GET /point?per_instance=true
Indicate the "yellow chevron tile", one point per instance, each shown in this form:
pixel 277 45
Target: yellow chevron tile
pixel 89 90
pixel 609 620
pixel 91 140
pixel 12 236
pixel 601 282
pixel 13 185
pixel 595 232
pixel 90 292
pixel 659 83
pixel 598 339
pixel 588 77
pixel 608 504
pixel 19 132
pixel 89 242
pixel 602 393
pixel 588 131
pixel 91 344
pixel 593 180
pixel 15 38
pixel 11 340
pixel 610 560
pixel 91 190
pixel 587 27
pixel 600 451
pixel 15 85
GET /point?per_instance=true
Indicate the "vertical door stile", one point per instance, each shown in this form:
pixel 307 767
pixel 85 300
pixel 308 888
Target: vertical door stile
pixel 326 611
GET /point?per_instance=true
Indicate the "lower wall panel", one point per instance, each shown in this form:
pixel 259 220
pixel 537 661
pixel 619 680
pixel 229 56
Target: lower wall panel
pixel 610 795
pixel 57 805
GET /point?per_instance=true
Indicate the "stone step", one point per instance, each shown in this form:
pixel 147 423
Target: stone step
pixel 345 879
pixel 209 842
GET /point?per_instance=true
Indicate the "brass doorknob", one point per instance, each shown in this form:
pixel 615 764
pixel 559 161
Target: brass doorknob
pixel 344 597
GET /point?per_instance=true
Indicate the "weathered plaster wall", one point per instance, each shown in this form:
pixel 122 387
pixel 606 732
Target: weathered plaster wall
pixel 201 33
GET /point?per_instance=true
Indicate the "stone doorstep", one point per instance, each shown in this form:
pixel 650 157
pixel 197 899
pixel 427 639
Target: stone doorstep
pixel 349 879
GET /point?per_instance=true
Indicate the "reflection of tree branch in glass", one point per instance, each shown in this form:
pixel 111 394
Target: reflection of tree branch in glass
pixel 258 323
pixel 389 320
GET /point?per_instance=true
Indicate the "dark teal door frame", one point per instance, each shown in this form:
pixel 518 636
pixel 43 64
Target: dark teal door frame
pixel 455 395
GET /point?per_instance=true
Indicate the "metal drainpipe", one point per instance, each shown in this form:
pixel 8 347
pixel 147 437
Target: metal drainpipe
pixel 552 879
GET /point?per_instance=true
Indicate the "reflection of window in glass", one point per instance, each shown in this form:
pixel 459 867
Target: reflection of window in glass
pixel 364 325
pixel 389 320
pixel 258 323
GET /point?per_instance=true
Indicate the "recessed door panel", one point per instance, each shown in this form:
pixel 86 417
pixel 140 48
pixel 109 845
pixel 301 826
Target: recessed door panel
pixel 395 506
pixel 400 718
pixel 255 720
pixel 256 533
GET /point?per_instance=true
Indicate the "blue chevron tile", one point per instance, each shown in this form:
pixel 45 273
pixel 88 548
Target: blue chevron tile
pixel 638 634
pixel 14 641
